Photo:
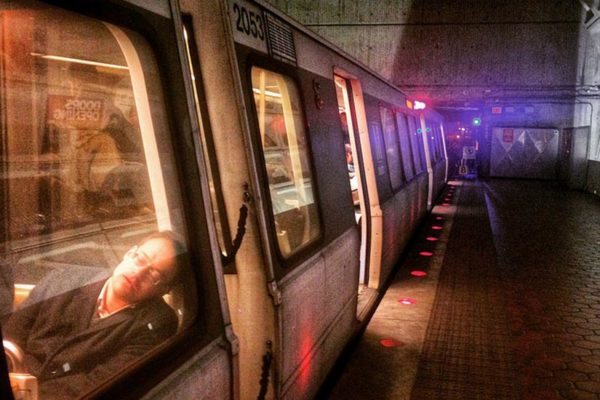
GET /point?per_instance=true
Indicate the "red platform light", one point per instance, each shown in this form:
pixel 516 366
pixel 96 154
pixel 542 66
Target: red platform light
pixel 390 343
pixel 425 253
pixel 431 239
pixel 436 228
pixel 407 300
pixel 439 218
pixel 418 273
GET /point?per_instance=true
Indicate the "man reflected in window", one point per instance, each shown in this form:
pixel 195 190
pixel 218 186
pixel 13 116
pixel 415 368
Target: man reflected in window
pixel 75 340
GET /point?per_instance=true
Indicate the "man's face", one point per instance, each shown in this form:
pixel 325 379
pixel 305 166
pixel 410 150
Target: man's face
pixel 145 271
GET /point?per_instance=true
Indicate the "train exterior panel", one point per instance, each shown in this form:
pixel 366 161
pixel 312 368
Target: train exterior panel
pixel 403 214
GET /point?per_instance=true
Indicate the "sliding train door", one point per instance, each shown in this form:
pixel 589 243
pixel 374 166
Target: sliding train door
pixel 362 181
pixel 354 162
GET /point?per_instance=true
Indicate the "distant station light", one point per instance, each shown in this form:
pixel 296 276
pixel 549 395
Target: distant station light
pixel 410 105
pixel 476 121
pixel 419 105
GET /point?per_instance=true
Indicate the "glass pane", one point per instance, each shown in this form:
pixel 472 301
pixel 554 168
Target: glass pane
pixel 287 162
pixel 439 140
pixel 417 144
pixel 436 142
pixel 430 134
pixel 377 149
pixel 405 145
pixel 392 149
pixel 87 284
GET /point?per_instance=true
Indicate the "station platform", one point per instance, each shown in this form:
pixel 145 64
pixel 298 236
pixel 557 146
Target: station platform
pixel 498 297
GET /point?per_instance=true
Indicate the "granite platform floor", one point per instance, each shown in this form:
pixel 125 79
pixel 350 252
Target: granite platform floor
pixel 497 298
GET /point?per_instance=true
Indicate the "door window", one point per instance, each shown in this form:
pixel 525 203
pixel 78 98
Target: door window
pixel 287 160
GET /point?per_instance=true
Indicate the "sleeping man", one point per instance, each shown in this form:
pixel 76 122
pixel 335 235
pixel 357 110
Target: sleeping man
pixel 77 339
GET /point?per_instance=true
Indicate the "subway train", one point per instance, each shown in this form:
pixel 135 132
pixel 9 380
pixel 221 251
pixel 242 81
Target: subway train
pixel 285 176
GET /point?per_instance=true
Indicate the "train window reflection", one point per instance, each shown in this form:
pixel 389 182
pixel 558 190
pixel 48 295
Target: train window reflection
pixel 286 154
pixel 405 146
pixel 417 144
pixel 92 259
pixel 392 148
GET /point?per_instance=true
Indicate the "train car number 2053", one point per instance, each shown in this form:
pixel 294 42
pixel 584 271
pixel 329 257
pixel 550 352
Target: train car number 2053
pixel 248 25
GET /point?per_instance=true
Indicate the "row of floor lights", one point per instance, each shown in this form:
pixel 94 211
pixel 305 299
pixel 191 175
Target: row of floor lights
pixel 419 273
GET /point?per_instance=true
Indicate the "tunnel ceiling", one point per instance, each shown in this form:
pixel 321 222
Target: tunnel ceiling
pixel 467 53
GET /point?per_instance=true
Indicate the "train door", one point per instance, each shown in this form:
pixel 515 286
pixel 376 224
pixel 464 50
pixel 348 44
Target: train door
pixel 353 161
pixel 428 159
pixel 353 119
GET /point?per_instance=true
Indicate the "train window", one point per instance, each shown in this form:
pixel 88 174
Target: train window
pixel 93 270
pixel 405 146
pixel 417 144
pixel 287 160
pixel 428 135
pixel 432 141
pixel 439 140
pixel 378 149
pixel 392 148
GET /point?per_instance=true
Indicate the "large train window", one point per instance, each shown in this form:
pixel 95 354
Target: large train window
pixel 392 148
pixel 432 140
pixel 405 146
pixel 287 161
pixel 93 256
pixel 417 144
pixel 438 140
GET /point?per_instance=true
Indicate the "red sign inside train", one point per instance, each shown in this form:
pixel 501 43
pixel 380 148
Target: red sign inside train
pixel 508 135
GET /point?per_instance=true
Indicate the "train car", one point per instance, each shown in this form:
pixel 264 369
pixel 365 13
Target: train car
pixel 202 199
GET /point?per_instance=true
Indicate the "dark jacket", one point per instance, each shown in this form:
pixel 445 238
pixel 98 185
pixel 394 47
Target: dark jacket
pixel 71 352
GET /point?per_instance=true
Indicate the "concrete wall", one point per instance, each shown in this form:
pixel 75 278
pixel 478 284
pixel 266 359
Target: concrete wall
pixel 478 43
pixel 520 54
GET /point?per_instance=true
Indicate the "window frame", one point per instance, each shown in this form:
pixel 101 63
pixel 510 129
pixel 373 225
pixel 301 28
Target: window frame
pixel 283 264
